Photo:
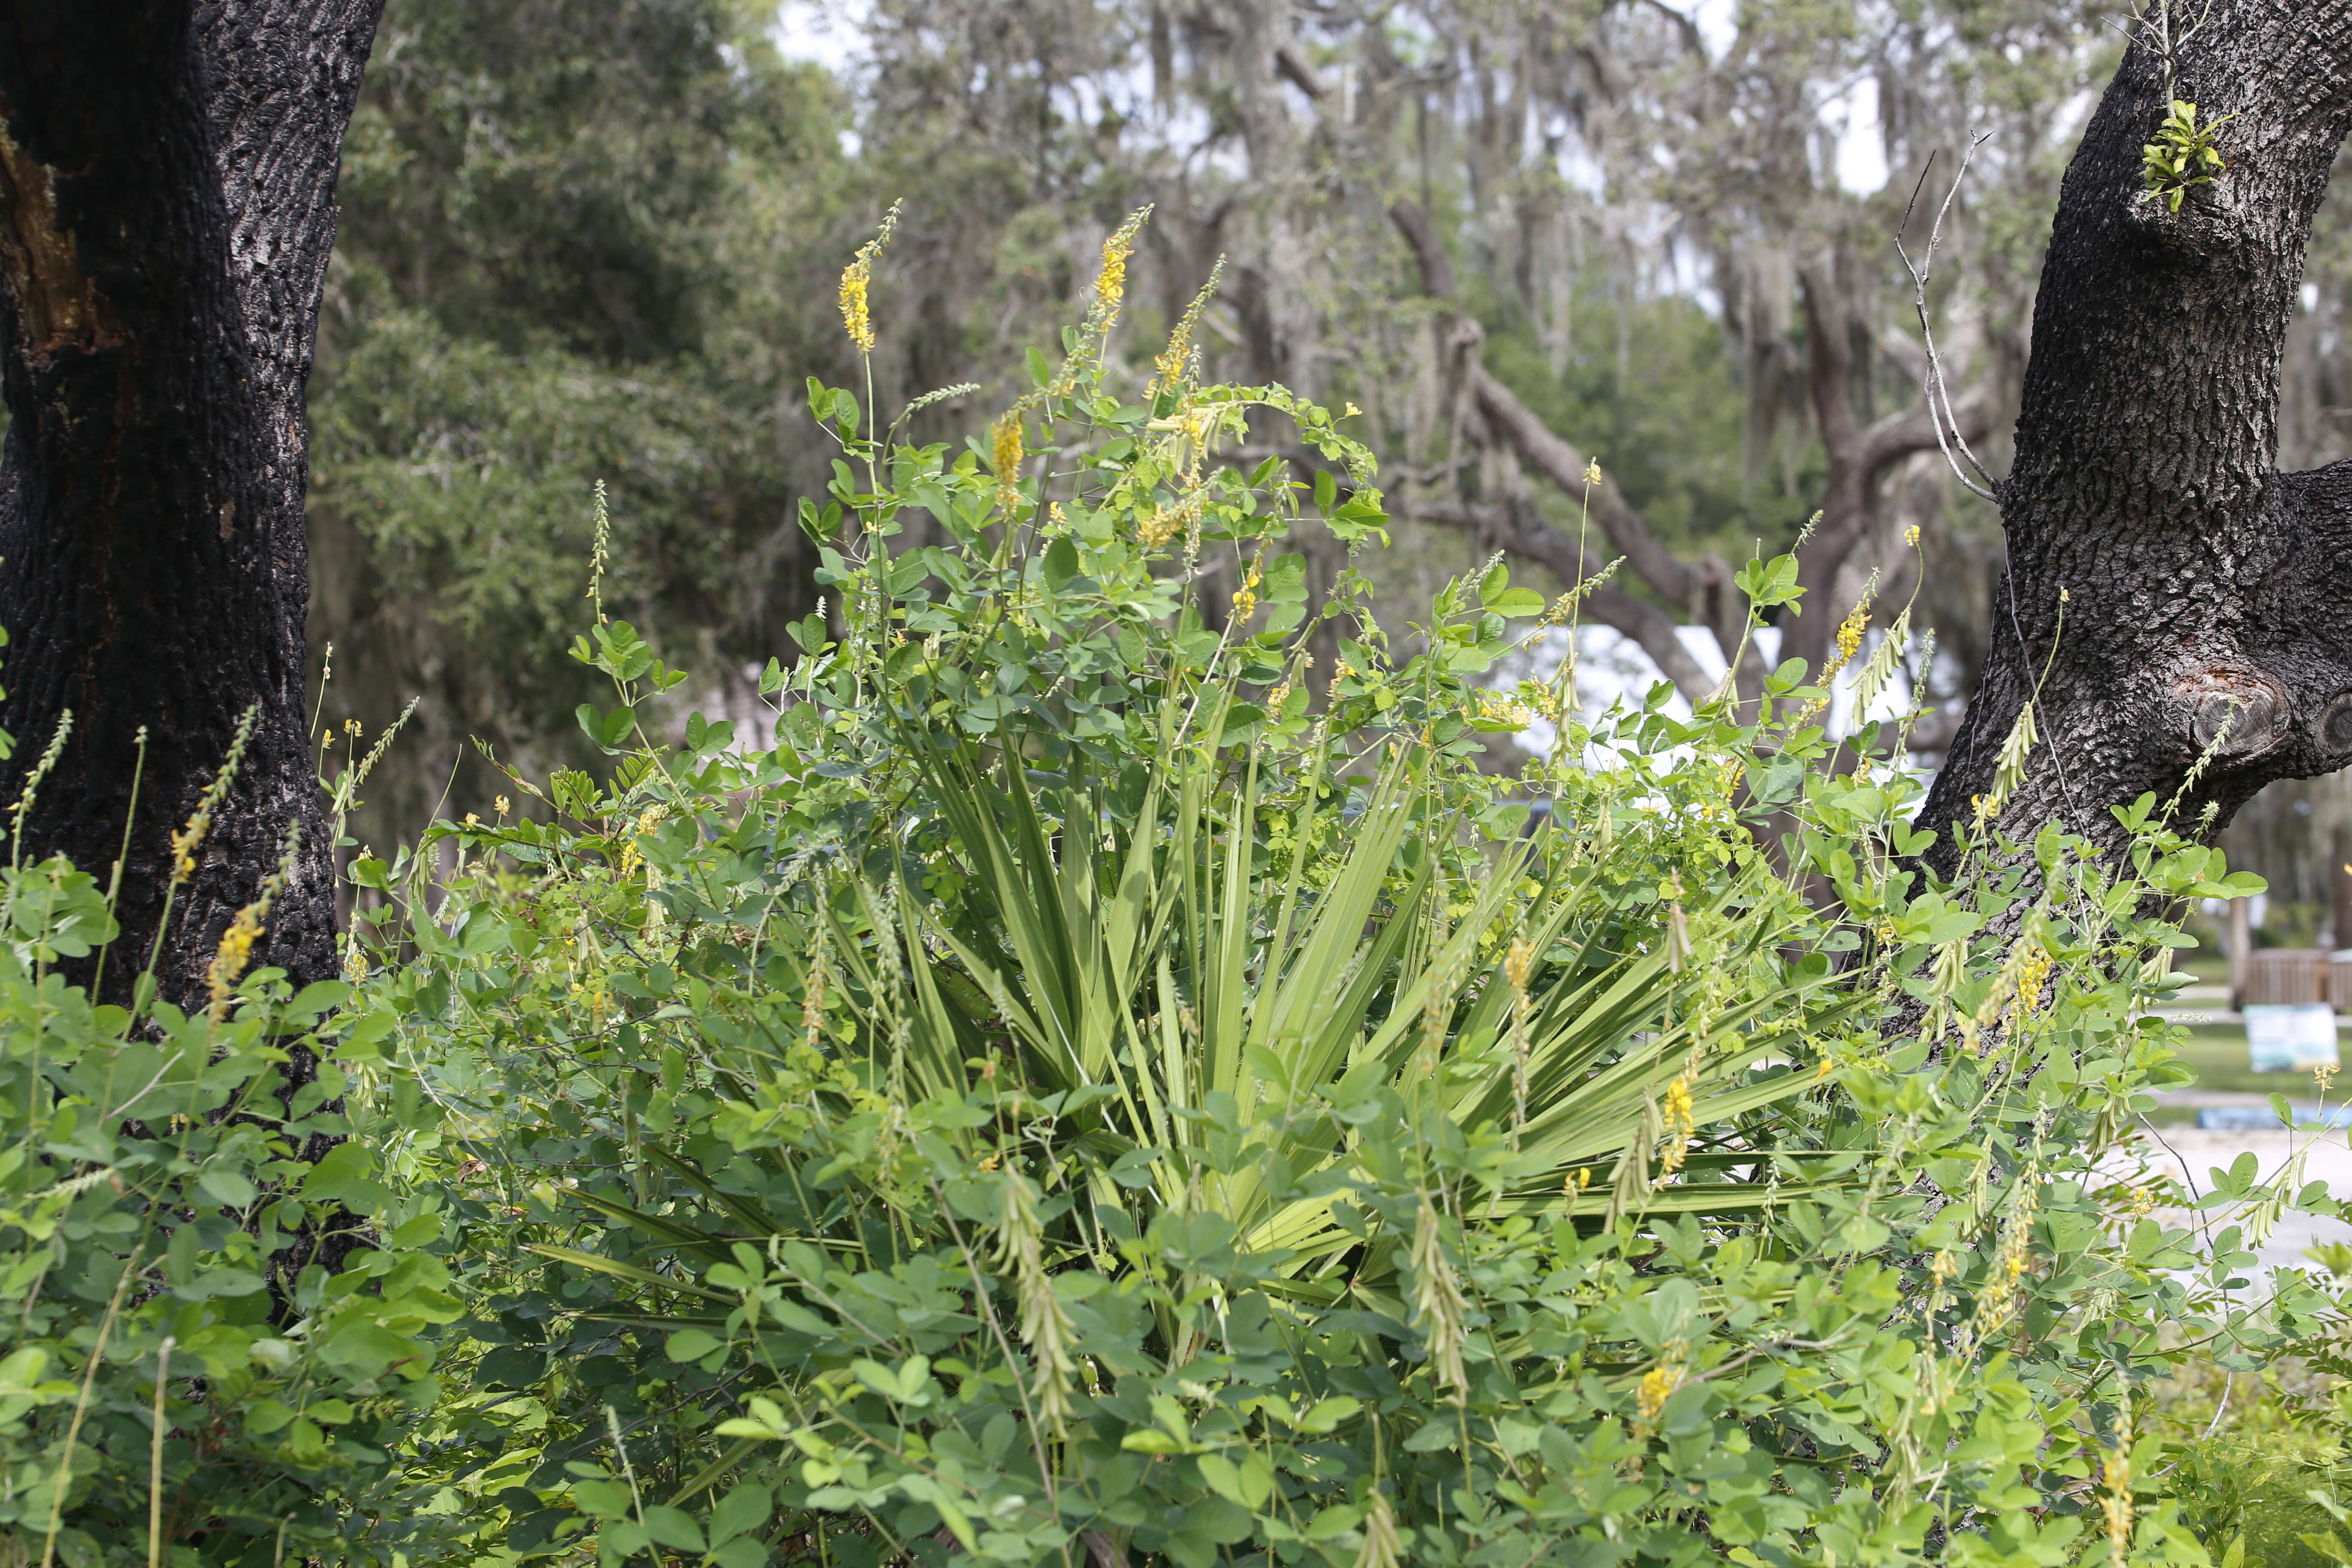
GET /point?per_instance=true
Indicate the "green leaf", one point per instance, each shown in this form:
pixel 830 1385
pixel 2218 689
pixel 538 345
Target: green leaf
pixel 1061 564
pixel 1770 582
pixel 344 1175
pixel 740 1511
pixel 691 1345
pixel 228 1188
pixel 674 1528
pixel 1516 602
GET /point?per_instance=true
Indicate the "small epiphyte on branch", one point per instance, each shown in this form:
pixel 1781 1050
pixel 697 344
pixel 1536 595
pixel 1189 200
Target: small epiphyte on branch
pixel 2184 155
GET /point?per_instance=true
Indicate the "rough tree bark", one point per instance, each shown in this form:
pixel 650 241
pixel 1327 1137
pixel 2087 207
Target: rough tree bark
pixel 2198 580
pixel 167 176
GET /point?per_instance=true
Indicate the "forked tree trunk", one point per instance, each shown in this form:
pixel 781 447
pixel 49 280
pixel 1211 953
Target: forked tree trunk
pixel 167 176
pixel 2199 580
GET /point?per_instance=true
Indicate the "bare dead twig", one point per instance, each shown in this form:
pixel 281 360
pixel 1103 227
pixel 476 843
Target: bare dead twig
pixel 1933 384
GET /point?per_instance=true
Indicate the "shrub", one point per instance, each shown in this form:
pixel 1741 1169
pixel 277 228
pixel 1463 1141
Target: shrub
pixel 194 1346
pixel 1066 1095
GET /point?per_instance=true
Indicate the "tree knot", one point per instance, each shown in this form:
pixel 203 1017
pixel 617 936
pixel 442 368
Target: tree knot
pixel 2241 708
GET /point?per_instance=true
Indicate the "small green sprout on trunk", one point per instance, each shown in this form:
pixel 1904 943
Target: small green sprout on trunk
pixel 2184 155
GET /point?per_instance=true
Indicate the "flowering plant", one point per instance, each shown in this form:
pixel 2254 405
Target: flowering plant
pixel 1073 1089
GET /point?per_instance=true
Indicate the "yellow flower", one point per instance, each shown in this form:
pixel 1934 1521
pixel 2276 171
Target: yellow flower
pixel 1658 1383
pixel 1246 600
pixel 855 278
pixel 1911 535
pixel 1006 452
pixel 854 314
pixel 236 951
pixel 1110 284
pixel 1168 368
pixel 2033 973
pixel 1849 637
pixel 1592 472
pixel 473 819
pixel 500 805
pixel 237 944
pixel 1679 1125
pixel 1496 709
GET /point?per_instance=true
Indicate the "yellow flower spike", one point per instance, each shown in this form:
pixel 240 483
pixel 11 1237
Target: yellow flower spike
pixel 1850 632
pixel 1658 1384
pixel 1006 451
pixel 1168 368
pixel 1592 472
pixel 1911 536
pixel 1110 284
pixel 500 805
pixel 855 313
pixel 1679 1125
pixel 473 819
pixel 237 944
pixel 235 952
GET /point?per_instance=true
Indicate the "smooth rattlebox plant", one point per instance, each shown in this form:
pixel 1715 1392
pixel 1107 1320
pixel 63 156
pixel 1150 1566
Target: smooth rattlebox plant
pixel 174 1359
pixel 1078 1091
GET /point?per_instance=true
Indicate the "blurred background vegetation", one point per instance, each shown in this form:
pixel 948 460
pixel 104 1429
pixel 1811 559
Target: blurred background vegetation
pixel 599 239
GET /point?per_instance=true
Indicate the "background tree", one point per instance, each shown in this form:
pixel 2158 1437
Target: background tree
pixel 167 179
pixel 584 240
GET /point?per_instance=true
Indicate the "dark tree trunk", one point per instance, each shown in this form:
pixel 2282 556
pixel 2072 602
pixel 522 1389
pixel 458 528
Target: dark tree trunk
pixel 167 178
pixel 2146 493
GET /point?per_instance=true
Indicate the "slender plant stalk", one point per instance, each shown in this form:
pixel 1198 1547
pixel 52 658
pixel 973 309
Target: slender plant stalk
pixel 82 1408
pixel 155 1459
pixel 114 883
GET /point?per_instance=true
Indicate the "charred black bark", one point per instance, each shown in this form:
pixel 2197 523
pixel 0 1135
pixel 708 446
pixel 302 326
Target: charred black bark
pixel 167 177
pixel 2199 580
